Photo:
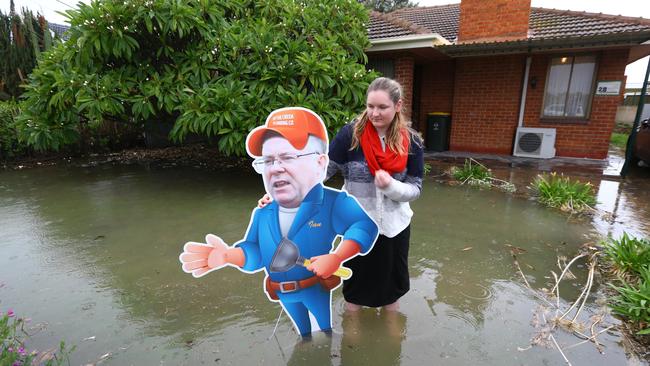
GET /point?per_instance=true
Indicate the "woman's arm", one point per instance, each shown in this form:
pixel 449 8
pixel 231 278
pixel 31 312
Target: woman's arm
pixel 410 189
pixel 338 150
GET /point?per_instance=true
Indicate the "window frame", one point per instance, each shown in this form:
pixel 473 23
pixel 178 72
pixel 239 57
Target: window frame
pixel 592 89
pixel 387 62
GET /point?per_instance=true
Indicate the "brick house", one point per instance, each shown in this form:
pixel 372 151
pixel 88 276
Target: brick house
pixel 497 66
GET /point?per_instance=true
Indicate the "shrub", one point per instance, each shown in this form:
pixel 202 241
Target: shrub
pixel 472 173
pixel 560 192
pixel 627 254
pixel 22 38
pixel 9 145
pixel 476 174
pixel 633 300
pixel 215 68
pixel 630 259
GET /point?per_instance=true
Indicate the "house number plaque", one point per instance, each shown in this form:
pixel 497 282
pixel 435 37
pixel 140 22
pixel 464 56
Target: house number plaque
pixel 608 88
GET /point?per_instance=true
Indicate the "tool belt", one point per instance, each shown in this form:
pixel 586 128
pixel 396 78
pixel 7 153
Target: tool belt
pixel 272 287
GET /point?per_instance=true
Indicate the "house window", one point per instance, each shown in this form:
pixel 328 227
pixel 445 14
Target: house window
pixel 569 87
pixel 384 66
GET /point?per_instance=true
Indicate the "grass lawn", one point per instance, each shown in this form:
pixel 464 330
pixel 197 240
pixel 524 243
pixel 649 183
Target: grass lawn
pixel 619 139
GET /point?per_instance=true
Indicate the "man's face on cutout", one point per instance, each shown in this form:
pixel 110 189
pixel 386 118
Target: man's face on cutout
pixel 289 180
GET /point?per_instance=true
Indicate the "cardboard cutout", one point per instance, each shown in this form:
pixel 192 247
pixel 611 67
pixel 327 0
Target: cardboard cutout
pixel 292 237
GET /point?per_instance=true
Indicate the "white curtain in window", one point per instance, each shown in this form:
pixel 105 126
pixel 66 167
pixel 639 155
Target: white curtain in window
pixel 557 86
pixel 577 102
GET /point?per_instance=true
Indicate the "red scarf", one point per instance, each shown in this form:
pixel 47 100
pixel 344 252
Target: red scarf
pixel 376 157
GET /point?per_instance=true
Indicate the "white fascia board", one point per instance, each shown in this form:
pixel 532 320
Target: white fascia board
pixel 407 42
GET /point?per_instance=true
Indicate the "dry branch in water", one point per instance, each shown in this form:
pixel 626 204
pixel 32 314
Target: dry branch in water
pixel 545 328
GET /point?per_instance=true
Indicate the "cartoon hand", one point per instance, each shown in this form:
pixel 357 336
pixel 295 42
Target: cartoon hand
pixel 265 200
pixel 199 259
pixel 382 179
pixel 324 265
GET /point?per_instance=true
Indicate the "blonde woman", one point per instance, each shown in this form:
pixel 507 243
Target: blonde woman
pixel 381 160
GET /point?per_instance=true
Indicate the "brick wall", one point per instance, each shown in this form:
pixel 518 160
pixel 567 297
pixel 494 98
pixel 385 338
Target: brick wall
pixel 493 20
pixel 486 103
pixel 404 69
pixel 580 138
pixel 437 88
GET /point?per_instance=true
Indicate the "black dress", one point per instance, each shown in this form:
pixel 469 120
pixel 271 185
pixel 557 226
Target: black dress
pixel 380 277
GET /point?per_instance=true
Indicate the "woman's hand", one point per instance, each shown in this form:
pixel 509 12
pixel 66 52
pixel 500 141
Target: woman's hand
pixel 382 179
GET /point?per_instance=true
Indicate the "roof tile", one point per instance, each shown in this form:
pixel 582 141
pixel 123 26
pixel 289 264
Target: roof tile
pixel 390 26
pixel 543 23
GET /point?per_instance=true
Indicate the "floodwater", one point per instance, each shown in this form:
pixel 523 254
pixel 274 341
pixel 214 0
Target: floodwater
pixel 90 255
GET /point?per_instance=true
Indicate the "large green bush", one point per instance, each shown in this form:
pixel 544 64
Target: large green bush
pixel 213 67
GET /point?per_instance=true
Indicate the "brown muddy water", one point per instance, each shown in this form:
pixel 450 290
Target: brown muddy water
pixel 90 255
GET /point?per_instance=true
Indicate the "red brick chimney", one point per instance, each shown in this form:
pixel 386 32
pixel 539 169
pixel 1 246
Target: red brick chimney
pixel 493 20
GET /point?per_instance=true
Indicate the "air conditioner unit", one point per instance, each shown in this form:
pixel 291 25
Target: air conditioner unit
pixel 535 142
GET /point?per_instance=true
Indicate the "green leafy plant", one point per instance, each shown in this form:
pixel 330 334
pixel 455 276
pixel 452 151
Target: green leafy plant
pixel 214 68
pixel 22 39
pixel 14 352
pixel 427 168
pixel 476 174
pixel 9 145
pixel 627 254
pixel 386 6
pixel 633 299
pixel 619 139
pixel 561 192
pixel 472 172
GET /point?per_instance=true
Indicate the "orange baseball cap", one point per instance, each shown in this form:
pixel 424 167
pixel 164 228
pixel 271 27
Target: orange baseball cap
pixel 294 124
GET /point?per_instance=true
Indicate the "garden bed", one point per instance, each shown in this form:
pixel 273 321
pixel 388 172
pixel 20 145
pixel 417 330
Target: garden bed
pixel 199 155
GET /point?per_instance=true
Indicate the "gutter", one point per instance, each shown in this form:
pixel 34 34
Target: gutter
pixel 429 40
pixel 543 44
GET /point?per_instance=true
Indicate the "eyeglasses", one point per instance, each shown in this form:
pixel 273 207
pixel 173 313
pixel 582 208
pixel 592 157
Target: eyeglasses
pixel 262 163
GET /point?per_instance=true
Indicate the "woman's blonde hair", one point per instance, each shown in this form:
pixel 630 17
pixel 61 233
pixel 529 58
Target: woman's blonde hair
pixel 393 134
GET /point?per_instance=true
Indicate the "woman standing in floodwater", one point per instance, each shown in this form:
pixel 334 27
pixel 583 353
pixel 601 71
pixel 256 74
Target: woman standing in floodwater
pixel 381 160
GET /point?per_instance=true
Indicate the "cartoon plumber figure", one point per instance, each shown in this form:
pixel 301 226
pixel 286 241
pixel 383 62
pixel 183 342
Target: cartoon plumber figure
pixel 292 237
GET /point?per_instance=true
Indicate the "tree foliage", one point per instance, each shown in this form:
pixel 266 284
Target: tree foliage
pixel 22 38
pixel 386 6
pixel 214 67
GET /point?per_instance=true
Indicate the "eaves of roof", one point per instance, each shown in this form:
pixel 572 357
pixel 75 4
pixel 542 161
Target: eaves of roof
pixel 531 45
pixel 408 42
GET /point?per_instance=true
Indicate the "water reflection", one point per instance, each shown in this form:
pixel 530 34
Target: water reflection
pixel 367 331
pixel 317 351
pixel 624 207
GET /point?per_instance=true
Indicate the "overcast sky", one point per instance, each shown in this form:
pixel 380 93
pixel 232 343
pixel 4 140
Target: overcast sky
pixel 632 8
